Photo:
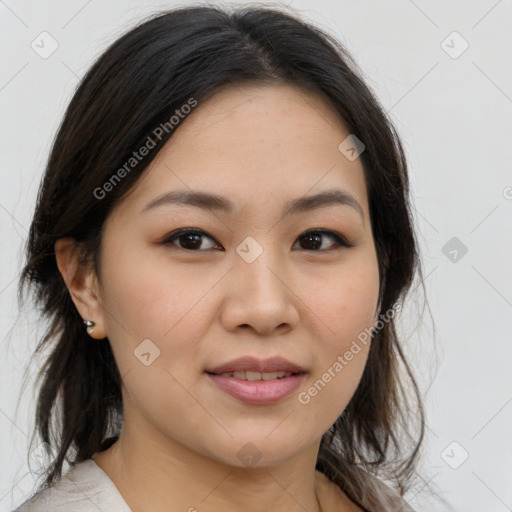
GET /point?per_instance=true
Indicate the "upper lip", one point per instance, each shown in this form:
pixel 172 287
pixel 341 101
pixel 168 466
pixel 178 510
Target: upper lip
pixel 253 364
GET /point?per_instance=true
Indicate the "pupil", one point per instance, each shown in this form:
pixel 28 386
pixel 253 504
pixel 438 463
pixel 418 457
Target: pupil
pixel 196 240
pixel 316 238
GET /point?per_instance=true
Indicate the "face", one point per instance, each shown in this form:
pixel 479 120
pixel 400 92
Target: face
pixel 254 279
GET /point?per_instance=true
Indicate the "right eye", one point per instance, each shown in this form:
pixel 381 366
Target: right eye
pixel 190 239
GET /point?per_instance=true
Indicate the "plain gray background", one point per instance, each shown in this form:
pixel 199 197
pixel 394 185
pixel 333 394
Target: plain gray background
pixel 443 72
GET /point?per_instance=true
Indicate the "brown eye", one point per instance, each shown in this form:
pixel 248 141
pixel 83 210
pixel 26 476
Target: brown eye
pixel 313 240
pixel 189 239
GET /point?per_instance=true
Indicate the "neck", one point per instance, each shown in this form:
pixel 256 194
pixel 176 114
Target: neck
pixel 151 478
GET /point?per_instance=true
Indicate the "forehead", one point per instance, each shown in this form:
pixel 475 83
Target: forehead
pixel 261 146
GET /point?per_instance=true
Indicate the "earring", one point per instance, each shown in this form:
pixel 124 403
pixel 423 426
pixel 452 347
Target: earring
pixel 90 326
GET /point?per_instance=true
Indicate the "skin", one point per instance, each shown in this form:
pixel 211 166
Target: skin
pixel 259 146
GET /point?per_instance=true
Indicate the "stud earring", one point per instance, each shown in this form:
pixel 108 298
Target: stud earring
pixel 90 326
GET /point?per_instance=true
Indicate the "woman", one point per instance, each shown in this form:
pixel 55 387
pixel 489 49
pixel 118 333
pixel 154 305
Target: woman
pixel 222 239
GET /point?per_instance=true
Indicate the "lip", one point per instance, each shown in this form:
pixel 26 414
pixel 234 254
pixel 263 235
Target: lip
pixel 258 392
pixel 253 364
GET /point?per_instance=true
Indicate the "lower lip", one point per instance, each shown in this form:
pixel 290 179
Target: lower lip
pixel 258 391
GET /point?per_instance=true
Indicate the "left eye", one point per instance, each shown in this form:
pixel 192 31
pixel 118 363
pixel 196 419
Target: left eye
pixel 314 238
pixel 191 240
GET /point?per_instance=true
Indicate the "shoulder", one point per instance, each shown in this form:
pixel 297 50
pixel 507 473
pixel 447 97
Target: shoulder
pixel 331 497
pixel 390 498
pixel 85 487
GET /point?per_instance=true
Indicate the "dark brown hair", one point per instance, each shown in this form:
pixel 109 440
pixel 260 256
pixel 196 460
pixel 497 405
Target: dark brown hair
pixel 137 84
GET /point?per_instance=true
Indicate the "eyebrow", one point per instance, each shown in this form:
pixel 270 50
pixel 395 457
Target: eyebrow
pixel 213 202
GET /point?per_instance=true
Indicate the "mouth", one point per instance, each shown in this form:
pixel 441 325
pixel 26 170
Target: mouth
pixel 252 368
pixel 257 382
pixel 255 376
pixel 258 392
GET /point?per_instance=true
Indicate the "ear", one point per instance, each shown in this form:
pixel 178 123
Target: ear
pixel 382 287
pixel 82 284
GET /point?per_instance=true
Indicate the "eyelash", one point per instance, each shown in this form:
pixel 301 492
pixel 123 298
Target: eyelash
pixel 341 241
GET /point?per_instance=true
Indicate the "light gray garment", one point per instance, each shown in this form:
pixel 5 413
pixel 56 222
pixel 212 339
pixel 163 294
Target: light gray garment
pixel 87 488
pixel 84 488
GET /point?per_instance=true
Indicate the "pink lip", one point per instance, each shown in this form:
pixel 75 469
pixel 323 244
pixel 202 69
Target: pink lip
pixel 258 391
pixel 252 364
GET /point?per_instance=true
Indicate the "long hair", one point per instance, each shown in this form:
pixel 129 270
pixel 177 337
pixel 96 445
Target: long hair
pixel 138 83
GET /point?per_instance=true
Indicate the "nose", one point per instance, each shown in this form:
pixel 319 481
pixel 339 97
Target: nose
pixel 259 296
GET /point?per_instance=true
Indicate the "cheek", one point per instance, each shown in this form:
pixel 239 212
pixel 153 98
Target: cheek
pixel 344 305
pixel 344 312
pixel 152 322
pixel 149 296
pixel 153 300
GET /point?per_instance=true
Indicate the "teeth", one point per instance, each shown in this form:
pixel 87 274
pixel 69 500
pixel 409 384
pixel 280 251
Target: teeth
pixel 251 376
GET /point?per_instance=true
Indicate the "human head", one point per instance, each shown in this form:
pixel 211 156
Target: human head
pixel 135 86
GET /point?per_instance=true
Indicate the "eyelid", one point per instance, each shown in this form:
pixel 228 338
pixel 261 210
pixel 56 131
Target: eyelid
pixel 177 233
pixel 333 234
